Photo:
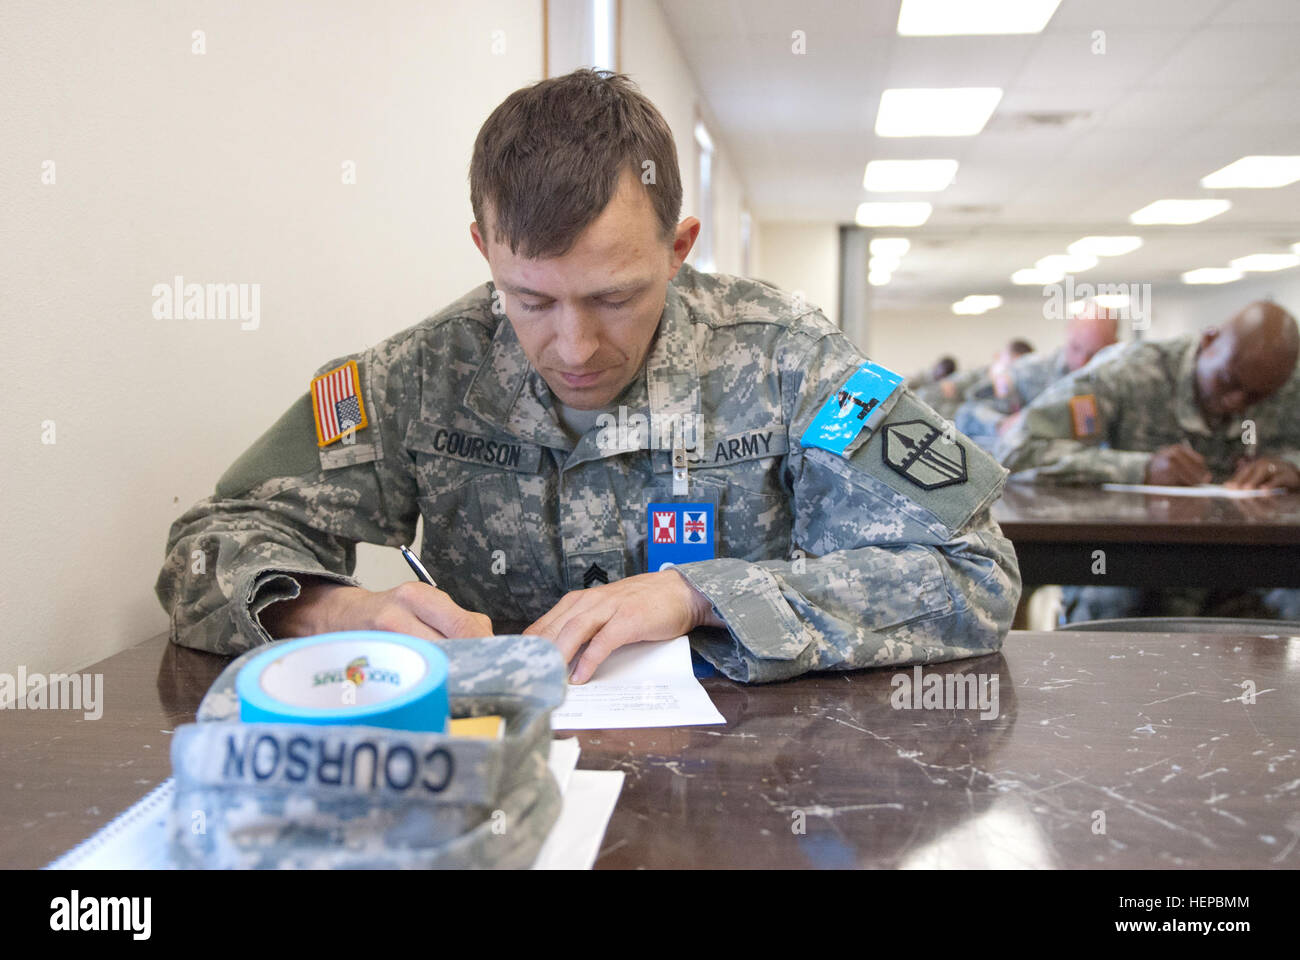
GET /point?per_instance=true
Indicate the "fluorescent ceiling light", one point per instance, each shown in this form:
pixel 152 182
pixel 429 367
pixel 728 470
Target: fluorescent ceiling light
pixel 894 246
pixel 1107 301
pixel 976 303
pixel 1212 275
pixel 1112 301
pixel 904 176
pixel 1036 278
pixel 1067 263
pixel 946 18
pixel 1254 172
pixel 1105 246
pixel 1179 211
pixel 911 214
pixel 936 112
pixel 883 264
pixel 1261 262
pixel 878 278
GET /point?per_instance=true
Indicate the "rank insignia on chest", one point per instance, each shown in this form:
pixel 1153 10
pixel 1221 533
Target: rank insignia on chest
pixel 678 533
pixel 922 454
pixel 1083 416
pixel 337 404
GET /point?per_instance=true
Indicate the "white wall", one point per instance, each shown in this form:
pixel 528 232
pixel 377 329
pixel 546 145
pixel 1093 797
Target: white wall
pixel 226 168
pixel 912 340
pixel 802 256
pixel 1186 309
pixel 651 56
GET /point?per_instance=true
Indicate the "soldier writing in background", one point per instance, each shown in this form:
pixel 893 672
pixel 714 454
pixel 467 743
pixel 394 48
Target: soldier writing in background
pixel 1219 407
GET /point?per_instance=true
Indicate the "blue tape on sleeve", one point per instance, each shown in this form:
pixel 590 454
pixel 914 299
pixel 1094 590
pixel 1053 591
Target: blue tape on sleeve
pixel 854 406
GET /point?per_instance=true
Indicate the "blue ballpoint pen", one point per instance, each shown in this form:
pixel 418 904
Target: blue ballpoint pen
pixel 414 562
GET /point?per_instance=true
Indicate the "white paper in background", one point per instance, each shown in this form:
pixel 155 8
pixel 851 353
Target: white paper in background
pixel 647 684
pixel 1201 490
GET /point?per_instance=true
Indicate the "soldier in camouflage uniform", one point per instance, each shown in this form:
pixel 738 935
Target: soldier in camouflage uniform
pixel 945 366
pixel 485 419
pixel 1216 407
pixel 948 394
pixel 990 403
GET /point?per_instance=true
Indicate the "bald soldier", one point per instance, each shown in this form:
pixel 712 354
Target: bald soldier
pixel 607 446
pixel 1216 407
pixel 991 404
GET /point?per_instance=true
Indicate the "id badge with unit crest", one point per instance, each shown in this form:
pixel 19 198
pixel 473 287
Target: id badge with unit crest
pixel 679 532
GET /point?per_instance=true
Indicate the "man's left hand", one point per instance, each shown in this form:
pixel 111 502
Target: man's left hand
pixel 649 606
pixel 1265 472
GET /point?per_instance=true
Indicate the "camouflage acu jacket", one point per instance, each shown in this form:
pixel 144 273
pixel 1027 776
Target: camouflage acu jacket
pixel 946 395
pixel 1102 423
pixel 823 561
pixel 992 399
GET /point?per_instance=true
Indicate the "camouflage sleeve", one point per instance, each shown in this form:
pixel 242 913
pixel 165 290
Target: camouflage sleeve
pixel 288 509
pixel 895 560
pixel 979 420
pixel 1062 436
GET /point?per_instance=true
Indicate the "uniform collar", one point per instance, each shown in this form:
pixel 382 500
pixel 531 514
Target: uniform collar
pixel 508 393
pixel 1186 408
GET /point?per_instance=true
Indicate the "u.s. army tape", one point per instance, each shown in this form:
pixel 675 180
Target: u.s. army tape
pixel 357 678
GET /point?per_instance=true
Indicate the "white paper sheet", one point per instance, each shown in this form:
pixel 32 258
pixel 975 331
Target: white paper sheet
pixel 137 839
pixel 1201 490
pixel 640 685
pixel 574 841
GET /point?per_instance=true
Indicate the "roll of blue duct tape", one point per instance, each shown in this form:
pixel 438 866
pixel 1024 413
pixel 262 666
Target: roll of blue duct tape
pixel 356 678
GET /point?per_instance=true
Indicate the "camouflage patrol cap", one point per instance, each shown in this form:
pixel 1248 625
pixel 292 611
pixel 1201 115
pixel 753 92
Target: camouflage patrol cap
pixel 287 795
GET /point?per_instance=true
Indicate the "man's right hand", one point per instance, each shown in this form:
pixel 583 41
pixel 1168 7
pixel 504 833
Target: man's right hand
pixel 413 608
pixel 1177 466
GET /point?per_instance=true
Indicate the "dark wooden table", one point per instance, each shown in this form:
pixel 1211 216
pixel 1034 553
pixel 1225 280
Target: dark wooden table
pixel 1108 750
pixel 1151 540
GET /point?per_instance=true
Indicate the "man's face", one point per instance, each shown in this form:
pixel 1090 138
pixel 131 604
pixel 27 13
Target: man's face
pixel 1232 375
pixel 1086 338
pixel 587 319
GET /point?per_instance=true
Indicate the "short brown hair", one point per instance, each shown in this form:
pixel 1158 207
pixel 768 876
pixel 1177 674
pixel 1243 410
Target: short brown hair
pixel 549 158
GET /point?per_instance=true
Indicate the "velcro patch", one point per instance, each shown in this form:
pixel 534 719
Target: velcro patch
pixel 337 404
pixel 749 445
pixel 851 408
pixel 1084 420
pixel 456 444
pixel 923 454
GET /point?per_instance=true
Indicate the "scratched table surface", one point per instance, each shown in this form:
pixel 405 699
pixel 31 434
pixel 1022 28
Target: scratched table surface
pixel 1106 751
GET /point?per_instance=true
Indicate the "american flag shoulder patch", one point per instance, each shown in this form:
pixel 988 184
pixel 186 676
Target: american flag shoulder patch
pixel 336 402
pixel 1083 416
